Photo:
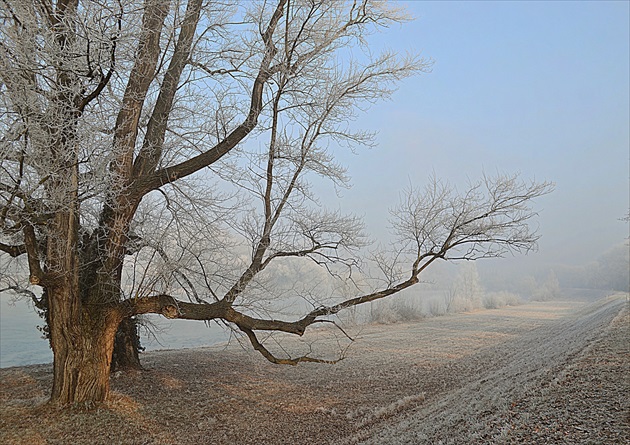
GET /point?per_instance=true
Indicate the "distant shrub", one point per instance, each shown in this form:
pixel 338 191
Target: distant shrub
pixel 406 311
pixel 436 308
pixel 541 295
pixel 549 290
pixel 497 300
pixel 396 311
pixel 463 304
pixel 381 313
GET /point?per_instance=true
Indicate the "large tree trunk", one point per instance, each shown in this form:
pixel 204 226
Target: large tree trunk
pixel 104 287
pixel 82 342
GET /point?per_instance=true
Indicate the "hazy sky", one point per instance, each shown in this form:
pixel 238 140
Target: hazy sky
pixel 541 88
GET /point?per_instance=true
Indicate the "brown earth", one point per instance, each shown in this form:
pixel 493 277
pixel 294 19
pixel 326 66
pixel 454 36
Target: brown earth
pixel 553 372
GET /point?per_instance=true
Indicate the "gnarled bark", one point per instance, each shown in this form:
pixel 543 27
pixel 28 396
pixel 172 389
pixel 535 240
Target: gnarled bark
pixel 82 340
pixel 127 347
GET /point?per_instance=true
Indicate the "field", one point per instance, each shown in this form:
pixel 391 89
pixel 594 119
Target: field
pixel 552 372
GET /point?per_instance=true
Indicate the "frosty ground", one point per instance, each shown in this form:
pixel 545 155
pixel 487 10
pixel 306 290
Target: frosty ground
pixel 552 372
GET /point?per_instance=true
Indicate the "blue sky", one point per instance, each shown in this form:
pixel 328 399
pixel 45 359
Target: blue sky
pixel 540 88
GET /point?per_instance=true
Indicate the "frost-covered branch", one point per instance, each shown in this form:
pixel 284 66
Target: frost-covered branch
pixel 490 218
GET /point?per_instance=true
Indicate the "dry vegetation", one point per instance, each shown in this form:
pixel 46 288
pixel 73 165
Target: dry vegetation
pixel 538 373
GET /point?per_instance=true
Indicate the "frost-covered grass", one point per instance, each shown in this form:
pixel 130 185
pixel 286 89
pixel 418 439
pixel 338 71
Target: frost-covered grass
pixel 454 378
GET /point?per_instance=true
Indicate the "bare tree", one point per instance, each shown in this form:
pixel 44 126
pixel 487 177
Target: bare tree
pixel 466 292
pixel 156 156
